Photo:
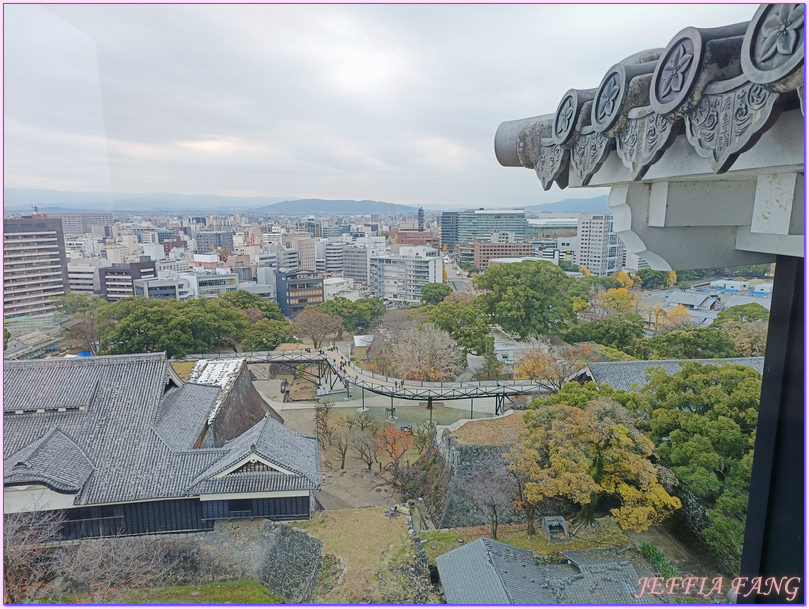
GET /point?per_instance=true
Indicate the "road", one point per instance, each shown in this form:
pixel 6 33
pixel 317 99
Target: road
pixel 456 278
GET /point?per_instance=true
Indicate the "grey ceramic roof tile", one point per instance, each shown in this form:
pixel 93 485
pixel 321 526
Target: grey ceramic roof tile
pixel 631 376
pixel 490 572
pixel 138 448
pixel 469 578
pixel 54 460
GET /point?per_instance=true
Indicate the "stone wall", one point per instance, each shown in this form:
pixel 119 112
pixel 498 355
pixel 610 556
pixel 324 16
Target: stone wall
pixel 283 559
pixel 291 564
pixel 468 464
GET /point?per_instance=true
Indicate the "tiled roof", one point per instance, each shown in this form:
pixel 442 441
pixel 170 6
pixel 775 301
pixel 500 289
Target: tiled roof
pixel 137 443
pixel 184 413
pixel 468 576
pixel 54 460
pixel 631 376
pixel 490 572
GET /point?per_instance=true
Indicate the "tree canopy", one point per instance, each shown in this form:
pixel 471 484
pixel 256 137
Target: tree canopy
pixel 465 323
pixel 691 343
pixel 433 293
pixel 355 315
pixel 617 331
pixel 527 298
pixel 242 299
pixel 428 354
pixel 584 454
pixel 703 420
pixel 316 325
pixel 142 325
pixel 742 313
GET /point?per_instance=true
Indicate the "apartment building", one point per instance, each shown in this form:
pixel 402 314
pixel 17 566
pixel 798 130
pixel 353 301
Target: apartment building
pixel 402 276
pixel 34 265
pixel 298 290
pixel 83 276
pixel 117 281
pixel 599 248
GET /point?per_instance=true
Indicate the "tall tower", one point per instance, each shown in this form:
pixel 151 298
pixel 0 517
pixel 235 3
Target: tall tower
pixel 421 219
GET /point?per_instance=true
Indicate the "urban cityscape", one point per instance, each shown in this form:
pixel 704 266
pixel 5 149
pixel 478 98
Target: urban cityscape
pixel 245 398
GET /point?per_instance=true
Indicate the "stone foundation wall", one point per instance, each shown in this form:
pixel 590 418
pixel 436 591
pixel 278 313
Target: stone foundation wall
pixel 467 463
pixel 283 559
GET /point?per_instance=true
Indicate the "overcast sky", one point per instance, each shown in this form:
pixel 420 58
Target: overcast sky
pixel 390 103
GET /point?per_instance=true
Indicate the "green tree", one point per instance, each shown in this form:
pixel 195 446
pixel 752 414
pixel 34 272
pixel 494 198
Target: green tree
pixel 492 367
pixel 6 336
pixel 142 325
pixel 78 304
pixel 84 313
pixel 267 334
pixel 588 287
pixel 355 315
pixel 703 420
pixel 617 331
pixel 568 266
pixel 592 453
pixel 433 293
pixel 652 279
pixel 691 343
pixel 742 313
pixel 465 323
pixel 527 298
pixel 242 299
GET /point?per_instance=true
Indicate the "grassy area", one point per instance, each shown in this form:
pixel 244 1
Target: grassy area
pixel 183 369
pixel 244 592
pixel 365 541
pixel 608 535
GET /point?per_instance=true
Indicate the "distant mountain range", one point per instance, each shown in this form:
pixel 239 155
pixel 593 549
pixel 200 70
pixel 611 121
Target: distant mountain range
pixel 328 206
pixel 595 204
pixel 21 200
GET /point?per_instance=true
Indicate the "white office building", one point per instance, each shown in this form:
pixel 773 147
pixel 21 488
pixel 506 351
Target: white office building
pixel 401 276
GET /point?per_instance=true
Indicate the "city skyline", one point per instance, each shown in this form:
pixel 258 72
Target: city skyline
pixel 388 103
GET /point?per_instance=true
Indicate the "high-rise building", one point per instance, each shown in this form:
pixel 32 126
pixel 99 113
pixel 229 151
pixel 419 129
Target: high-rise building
pixel 402 276
pixel 209 239
pixel 82 223
pixel 306 247
pixel 464 226
pixel 599 248
pixel 34 265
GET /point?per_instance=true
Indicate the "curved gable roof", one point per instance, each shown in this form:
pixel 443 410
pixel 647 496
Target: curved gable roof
pixel 53 460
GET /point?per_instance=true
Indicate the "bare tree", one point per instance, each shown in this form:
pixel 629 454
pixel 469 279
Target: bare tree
pixel 105 570
pixel 428 354
pixel 364 446
pixel 340 443
pixel 322 429
pixel 490 493
pixel 316 325
pixel 423 436
pixel 27 560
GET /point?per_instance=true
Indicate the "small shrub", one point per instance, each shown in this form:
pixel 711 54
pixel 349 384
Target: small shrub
pixel 659 560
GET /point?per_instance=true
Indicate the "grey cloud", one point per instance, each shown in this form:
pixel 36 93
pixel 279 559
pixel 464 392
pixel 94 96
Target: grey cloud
pixel 395 103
